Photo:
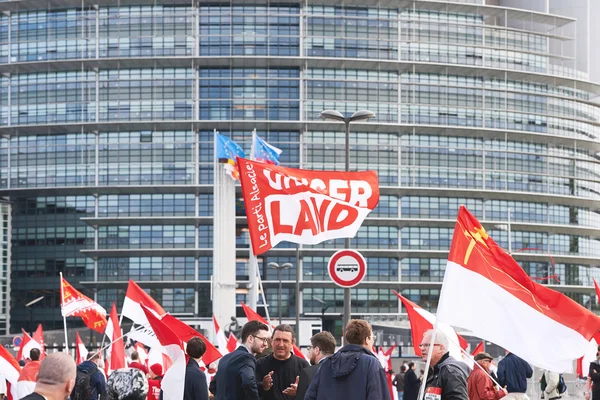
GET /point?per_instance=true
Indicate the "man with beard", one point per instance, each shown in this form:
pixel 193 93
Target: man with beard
pixel 235 379
pixel 280 371
pixel 322 345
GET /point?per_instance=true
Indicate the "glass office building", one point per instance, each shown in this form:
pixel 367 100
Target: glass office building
pixel 107 112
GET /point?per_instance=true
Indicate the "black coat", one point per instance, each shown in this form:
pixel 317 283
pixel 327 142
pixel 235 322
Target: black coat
pixel 195 382
pixel 306 377
pixel 235 379
pixel 449 379
pixel 352 373
pixel 411 385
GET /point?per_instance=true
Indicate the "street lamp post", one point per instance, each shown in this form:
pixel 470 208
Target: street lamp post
pixel 29 307
pixel 362 115
pixel 279 269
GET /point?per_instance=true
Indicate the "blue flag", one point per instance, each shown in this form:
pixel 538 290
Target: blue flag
pixel 227 151
pixel 265 152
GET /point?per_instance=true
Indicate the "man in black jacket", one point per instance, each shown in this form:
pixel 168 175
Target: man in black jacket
pixel 322 345
pixel 513 373
pixel 195 382
pixel 447 378
pixel 236 377
pixel 354 372
pixel 411 383
pixel 280 371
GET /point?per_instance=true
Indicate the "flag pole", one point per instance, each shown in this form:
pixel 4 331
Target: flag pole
pixel 66 350
pixel 428 363
pixel 253 270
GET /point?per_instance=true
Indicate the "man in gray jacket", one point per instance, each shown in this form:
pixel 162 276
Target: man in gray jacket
pixel 447 378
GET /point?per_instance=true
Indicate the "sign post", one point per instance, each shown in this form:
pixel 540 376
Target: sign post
pixel 347 268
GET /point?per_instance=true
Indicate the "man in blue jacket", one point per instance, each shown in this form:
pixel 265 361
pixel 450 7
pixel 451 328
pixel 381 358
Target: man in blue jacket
pixel 512 375
pixel 354 372
pixel 97 381
pixel 236 376
pixel 195 387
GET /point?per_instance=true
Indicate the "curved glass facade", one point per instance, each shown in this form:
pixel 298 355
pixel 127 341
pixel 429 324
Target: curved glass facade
pixel 106 153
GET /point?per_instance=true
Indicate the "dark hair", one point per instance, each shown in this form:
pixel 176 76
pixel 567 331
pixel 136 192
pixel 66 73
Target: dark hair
pixel 196 347
pixel 135 356
pixel 411 364
pixel 403 369
pixel 285 328
pixel 34 354
pixel 93 356
pixel 324 341
pixel 251 328
pixel 357 331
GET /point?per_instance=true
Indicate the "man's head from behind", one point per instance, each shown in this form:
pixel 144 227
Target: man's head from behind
pixel 196 348
pixel 135 356
pixel 321 345
pixel 437 349
pixel 94 357
pixel 34 354
pixel 255 336
pixel 283 341
pixel 359 332
pixel 56 377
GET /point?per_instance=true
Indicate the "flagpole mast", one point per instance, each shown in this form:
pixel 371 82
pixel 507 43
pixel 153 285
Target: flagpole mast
pixel 64 317
pixel 253 261
pixel 428 363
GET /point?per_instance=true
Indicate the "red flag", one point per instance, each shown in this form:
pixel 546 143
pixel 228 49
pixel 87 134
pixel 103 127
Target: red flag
pixel 232 343
pixel 597 288
pixel 132 308
pixel 220 336
pixel 114 333
pixel 38 337
pixel 173 381
pixel 478 349
pixel 422 320
pixel 521 307
pixel 186 332
pixel 254 316
pixel 10 370
pixel 300 206
pixel 74 304
pixel 81 351
pixel 27 344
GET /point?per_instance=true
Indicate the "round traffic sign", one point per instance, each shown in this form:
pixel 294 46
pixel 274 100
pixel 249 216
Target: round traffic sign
pixel 16 341
pixel 347 268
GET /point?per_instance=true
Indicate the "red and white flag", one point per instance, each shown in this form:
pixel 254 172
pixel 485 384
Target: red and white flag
pixel 300 206
pixel 478 349
pixel 186 332
pixel 583 363
pixel 117 348
pixel 132 308
pixel 74 304
pixel 385 359
pixel 173 380
pixel 10 370
pixel 232 343
pixel 510 310
pixel 28 344
pixel 422 320
pixel 157 356
pixel 254 316
pixel 38 337
pixel 81 351
pixel 220 337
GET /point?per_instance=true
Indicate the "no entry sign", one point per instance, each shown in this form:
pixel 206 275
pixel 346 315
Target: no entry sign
pixel 347 268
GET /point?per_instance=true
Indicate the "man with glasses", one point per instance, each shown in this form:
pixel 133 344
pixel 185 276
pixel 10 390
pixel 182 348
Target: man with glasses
pixel 481 386
pixel 322 345
pixel 447 377
pixel 236 376
pixel 354 372
pixel 280 371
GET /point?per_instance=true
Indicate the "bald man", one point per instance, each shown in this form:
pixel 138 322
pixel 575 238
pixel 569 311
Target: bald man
pixel 56 378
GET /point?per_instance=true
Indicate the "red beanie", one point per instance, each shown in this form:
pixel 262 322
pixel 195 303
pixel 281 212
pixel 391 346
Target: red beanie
pixel 156 369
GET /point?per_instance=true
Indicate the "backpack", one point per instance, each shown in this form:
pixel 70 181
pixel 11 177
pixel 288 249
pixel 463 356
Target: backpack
pixel 561 387
pixel 83 387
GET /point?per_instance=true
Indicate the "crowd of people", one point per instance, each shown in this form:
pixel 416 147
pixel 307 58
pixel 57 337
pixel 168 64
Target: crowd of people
pixel 352 372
